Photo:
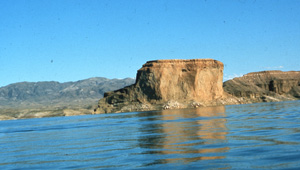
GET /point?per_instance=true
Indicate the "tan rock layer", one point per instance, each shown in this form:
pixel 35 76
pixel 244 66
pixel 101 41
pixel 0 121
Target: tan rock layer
pixel 173 84
pixel 266 86
pixel 160 81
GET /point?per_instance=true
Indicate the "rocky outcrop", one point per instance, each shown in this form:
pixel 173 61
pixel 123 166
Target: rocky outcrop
pixel 265 86
pixel 168 84
pixel 174 84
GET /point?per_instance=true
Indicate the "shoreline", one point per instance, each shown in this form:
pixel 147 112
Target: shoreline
pixel 19 113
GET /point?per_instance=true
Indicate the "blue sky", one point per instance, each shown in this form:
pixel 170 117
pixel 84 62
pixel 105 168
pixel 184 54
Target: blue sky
pixel 69 40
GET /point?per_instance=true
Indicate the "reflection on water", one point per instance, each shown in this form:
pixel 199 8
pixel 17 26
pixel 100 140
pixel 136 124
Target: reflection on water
pixel 255 136
pixel 187 135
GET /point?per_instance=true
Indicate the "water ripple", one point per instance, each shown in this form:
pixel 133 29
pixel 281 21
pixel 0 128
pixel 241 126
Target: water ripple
pixel 256 136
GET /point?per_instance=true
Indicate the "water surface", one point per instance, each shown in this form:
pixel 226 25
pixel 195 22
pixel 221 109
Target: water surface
pixel 254 136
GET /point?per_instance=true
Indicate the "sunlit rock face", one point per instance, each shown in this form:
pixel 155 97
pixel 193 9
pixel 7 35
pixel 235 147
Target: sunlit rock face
pixel 266 86
pixel 165 80
pixel 160 81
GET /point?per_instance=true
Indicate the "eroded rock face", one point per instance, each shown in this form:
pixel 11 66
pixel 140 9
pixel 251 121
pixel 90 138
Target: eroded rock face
pixel 266 86
pixel 161 81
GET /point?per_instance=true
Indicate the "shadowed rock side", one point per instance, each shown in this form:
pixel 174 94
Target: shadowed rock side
pixel 169 84
pixel 265 86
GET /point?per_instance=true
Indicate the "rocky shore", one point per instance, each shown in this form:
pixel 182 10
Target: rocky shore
pixel 265 86
pixel 175 84
pixel 168 84
pixel 159 85
pixel 8 113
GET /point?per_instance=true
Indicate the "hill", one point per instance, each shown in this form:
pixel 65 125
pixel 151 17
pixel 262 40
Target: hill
pixel 29 97
pixel 265 86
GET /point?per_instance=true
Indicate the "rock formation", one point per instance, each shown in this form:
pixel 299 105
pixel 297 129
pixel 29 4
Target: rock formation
pixel 173 84
pixel 165 84
pixel 265 86
pixel 160 85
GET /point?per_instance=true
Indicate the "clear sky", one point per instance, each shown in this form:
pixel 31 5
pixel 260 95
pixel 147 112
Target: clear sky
pixel 69 40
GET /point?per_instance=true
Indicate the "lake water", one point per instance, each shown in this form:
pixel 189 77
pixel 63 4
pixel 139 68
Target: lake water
pixel 254 136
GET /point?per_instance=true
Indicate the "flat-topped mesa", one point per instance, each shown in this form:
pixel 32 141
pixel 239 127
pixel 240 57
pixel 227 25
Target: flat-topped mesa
pixel 181 79
pixel 161 81
pixel 277 85
pixel 274 74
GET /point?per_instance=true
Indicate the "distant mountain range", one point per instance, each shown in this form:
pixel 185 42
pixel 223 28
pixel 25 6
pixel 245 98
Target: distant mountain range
pixel 52 93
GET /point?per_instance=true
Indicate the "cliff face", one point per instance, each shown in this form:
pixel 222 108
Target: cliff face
pixel 165 80
pixel 168 83
pixel 266 86
pixel 172 84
